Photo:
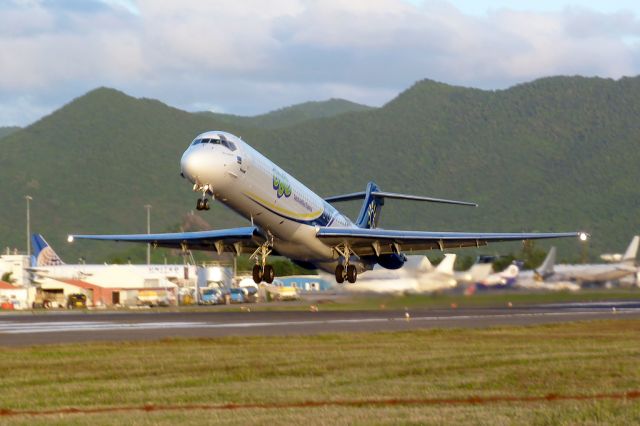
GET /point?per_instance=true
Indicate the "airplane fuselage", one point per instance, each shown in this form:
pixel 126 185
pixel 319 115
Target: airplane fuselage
pixel 257 189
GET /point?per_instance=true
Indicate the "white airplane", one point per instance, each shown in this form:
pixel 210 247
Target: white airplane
pixel 543 277
pixel 598 273
pixel 502 279
pixel 47 264
pixel 417 275
pixel 619 257
pixel 289 219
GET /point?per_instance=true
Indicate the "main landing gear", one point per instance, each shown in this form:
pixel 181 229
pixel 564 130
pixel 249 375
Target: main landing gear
pixel 345 270
pixel 262 271
pixel 203 203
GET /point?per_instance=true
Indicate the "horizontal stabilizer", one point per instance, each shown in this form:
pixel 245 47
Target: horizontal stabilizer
pixel 380 194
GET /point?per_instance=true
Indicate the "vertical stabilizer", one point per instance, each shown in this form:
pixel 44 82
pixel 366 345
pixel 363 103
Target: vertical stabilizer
pixel 370 212
pixel 546 269
pixel 43 253
pixel 632 250
pixel 446 266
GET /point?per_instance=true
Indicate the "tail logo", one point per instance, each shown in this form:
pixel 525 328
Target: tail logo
pixel 372 215
pixel 48 257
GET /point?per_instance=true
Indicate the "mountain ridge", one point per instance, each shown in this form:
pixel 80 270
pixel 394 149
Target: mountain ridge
pixel 552 155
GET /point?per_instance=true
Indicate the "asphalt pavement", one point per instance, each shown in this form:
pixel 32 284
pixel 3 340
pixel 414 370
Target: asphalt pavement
pixel 22 329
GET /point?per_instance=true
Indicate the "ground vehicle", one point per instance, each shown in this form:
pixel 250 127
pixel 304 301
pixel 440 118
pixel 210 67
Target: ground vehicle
pixel 243 295
pixel 153 298
pixel 76 301
pixel 286 293
pixel 212 296
pixel 237 295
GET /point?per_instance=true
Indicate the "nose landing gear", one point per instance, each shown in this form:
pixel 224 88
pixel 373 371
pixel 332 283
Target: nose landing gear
pixel 203 203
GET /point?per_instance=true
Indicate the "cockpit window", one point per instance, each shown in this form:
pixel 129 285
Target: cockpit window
pixel 222 141
pixel 229 144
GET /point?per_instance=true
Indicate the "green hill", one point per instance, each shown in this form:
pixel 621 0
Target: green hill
pixel 6 131
pixel 556 154
pixel 293 115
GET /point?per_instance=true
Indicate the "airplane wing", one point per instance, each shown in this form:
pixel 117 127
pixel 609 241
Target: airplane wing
pixel 231 240
pixel 364 241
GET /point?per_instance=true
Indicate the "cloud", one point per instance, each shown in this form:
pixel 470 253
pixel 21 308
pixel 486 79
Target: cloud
pixel 250 56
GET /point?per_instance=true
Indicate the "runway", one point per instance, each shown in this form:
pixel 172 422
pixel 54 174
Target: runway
pixel 72 327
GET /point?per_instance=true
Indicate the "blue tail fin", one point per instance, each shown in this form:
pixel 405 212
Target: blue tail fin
pixel 370 212
pixel 43 253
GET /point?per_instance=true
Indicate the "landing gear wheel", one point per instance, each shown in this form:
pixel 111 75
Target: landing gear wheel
pixel 268 274
pixel 205 204
pixel 352 274
pixel 340 274
pixel 257 274
pixel 199 204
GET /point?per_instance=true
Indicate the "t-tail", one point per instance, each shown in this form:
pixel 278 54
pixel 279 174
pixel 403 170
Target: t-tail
pixel 369 215
pixel 43 254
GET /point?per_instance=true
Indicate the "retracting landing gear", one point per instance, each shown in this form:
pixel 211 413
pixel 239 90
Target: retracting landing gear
pixel 262 271
pixel 203 203
pixel 345 270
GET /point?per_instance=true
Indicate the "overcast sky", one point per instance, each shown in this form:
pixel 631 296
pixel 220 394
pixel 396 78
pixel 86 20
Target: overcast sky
pixel 249 57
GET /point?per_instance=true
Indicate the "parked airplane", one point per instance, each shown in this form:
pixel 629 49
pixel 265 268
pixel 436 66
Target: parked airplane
pixel 543 278
pixel 47 263
pixel 596 273
pixel 289 219
pixel 619 257
pixel 502 279
pixel 417 275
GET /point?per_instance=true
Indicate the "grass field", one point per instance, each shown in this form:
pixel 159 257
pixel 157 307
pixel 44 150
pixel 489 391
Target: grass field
pixel 435 376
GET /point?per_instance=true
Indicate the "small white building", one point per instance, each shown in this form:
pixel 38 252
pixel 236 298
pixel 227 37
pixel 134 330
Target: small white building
pixel 17 265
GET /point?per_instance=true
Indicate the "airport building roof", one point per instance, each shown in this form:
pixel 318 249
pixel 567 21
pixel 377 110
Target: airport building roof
pixel 6 285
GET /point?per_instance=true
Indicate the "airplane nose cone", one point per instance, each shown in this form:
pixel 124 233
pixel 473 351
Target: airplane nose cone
pixel 196 165
pixel 190 166
pixel 203 166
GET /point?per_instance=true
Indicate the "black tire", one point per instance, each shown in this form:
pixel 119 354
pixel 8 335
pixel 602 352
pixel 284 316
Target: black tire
pixel 340 274
pixel 257 274
pixel 199 204
pixel 269 274
pixel 352 274
pixel 205 204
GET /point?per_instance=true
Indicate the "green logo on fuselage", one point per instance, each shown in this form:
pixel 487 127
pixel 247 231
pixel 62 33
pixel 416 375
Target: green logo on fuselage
pixel 281 184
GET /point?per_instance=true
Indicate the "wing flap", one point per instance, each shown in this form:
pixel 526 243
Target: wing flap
pixel 361 240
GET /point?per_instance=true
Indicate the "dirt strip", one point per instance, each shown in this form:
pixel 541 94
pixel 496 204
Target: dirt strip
pixel 473 400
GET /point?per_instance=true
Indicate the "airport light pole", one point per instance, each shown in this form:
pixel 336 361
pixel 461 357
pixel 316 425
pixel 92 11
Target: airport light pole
pixel 148 207
pixel 28 198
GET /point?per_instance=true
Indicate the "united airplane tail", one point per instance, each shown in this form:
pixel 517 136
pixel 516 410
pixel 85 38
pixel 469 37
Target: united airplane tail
pixel 43 254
